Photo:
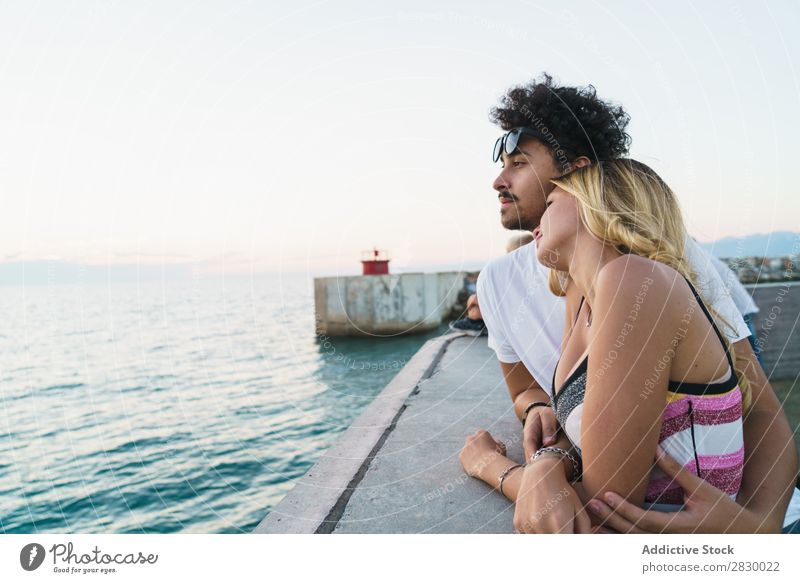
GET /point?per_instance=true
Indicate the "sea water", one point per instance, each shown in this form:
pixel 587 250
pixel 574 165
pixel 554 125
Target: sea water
pixel 171 406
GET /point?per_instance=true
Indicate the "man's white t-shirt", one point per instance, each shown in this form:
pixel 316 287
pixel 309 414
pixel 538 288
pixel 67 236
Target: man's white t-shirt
pixel 525 320
pixel 744 302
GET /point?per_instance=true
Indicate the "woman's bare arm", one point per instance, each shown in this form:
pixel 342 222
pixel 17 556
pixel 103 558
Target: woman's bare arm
pixel 636 310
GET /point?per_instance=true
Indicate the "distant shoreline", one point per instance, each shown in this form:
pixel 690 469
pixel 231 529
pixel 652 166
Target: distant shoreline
pixel 790 282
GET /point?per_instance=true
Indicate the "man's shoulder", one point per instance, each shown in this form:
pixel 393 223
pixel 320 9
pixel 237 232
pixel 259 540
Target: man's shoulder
pixel 511 265
pixel 713 291
pixel 709 280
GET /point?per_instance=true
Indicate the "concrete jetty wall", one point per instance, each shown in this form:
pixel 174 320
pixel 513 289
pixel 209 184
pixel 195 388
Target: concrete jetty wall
pixel 777 326
pixel 368 305
pixel 396 468
pixel 319 499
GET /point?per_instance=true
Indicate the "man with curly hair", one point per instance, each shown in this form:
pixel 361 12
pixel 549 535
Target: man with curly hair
pixel 550 130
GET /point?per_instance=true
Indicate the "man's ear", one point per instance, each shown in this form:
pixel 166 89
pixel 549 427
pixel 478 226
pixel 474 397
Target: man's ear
pixel 580 162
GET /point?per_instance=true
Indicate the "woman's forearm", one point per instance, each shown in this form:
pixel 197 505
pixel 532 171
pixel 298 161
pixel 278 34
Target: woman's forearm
pixel 547 466
pixel 491 475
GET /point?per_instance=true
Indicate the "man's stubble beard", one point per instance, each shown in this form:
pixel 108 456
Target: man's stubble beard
pixel 513 220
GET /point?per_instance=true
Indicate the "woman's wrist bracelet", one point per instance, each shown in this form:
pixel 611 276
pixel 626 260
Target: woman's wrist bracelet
pixel 576 467
pixel 530 406
pixel 505 473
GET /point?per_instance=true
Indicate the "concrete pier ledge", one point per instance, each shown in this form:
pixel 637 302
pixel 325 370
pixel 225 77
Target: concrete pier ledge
pixel 396 468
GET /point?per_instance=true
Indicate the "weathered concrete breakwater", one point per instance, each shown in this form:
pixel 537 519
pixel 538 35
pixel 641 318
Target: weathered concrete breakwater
pixel 396 468
pixel 369 305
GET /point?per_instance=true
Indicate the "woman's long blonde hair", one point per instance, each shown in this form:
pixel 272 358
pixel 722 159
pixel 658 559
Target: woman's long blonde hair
pixel 624 203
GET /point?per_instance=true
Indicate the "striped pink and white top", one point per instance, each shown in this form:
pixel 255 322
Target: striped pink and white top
pixel 703 432
pixel 701 428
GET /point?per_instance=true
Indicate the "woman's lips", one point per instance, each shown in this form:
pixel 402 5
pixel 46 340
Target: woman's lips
pixel 537 234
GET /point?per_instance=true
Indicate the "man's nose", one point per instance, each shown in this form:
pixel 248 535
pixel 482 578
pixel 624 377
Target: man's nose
pixel 500 183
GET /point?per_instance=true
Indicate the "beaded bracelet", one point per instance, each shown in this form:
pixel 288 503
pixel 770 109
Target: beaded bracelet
pixel 576 468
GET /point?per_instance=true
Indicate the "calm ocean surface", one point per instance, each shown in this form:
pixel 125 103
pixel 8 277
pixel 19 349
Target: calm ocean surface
pixel 188 406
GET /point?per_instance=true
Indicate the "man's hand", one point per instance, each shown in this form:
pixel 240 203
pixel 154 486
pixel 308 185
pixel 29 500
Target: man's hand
pixel 540 430
pixel 706 509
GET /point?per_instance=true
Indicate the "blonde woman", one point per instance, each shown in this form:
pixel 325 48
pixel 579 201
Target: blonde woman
pixel 643 364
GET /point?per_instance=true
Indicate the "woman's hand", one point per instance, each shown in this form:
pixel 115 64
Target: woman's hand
pixel 540 430
pixel 547 503
pixel 479 451
pixel 706 509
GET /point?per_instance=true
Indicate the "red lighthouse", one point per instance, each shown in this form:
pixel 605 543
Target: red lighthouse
pixel 375 262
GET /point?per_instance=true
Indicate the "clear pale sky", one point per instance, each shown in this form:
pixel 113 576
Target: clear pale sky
pixel 291 136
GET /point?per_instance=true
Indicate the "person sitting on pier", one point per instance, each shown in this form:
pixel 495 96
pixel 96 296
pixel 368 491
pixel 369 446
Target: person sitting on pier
pixel 552 130
pixel 473 323
pixel 518 240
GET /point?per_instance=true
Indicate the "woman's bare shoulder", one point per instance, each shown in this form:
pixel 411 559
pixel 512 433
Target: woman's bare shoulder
pixel 631 276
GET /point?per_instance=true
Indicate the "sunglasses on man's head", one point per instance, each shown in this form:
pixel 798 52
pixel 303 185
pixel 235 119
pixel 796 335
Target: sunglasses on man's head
pixel 509 141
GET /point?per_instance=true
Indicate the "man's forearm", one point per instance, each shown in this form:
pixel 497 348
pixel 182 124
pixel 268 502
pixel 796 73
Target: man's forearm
pixel 527 397
pixel 522 387
pixel 771 466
